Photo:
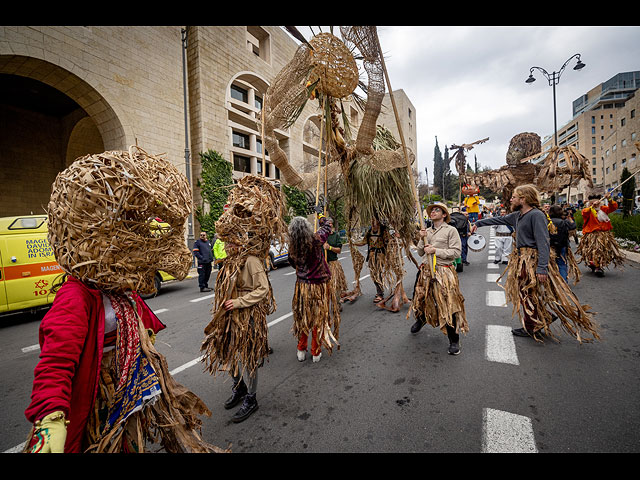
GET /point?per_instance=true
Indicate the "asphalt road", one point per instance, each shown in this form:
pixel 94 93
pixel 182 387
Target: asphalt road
pixel 387 390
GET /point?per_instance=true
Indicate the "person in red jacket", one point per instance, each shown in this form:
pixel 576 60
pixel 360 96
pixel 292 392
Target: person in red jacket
pixel 598 247
pixel 100 385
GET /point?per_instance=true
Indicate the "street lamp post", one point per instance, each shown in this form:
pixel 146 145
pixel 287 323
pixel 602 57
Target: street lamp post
pixel 554 79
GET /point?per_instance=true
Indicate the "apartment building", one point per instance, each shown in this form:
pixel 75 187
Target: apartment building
pixel 604 129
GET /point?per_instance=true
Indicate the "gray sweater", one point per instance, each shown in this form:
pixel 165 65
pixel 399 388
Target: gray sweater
pixel 531 231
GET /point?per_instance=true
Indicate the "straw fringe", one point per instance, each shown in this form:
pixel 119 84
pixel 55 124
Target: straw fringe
pixel 437 297
pixel 527 294
pixel 601 248
pixel 311 310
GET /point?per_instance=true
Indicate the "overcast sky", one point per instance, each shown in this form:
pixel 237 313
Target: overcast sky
pixel 468 83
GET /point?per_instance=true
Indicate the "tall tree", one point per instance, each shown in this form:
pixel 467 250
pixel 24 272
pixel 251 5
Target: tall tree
pixel 627 192
pixel 438 166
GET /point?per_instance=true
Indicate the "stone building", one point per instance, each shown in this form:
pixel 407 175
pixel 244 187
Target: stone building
pixel 174 91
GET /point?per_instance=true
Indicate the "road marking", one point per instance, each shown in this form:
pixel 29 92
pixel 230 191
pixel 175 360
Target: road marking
pixel 31 348
pixel 500 346
pixel 290 273
pixel 506 432
pixel 161 310
pixel 493 277
pixel 496 298
pixel 186 365
pixel 278 320
pixel 362 278
pixel 201 298
pixel 492 265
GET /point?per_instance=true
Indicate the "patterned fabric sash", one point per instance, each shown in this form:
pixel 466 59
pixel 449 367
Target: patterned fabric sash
pixel 138 383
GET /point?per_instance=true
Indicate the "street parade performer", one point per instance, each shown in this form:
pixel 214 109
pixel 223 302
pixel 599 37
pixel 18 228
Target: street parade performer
pixel 436 298
pixel 377 240
pixel 333 247
pixel 100 385
pixel 598 247
pixel 311 304
pixel 534 285
pixel 236 339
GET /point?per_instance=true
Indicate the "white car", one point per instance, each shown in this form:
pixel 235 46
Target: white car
pixel 278 254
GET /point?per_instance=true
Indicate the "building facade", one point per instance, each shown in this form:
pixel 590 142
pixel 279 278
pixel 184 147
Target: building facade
pixel 174 91
pixel 604 129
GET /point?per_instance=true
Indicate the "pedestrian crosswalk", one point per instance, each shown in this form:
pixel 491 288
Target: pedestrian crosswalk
pixel 503 432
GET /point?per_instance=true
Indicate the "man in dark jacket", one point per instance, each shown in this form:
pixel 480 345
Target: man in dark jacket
pixel 204 253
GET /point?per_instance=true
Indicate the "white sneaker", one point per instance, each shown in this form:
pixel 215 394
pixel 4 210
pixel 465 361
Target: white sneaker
pixel 316 358
pixel 301 354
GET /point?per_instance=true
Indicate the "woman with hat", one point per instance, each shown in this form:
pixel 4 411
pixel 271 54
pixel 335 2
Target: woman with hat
pixel 436 297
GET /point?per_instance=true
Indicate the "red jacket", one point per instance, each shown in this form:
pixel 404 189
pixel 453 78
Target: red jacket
pixel 71 341
pixel 591 222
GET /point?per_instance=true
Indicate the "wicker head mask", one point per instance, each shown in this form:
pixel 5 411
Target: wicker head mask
pixel 254 218
pixel 116 218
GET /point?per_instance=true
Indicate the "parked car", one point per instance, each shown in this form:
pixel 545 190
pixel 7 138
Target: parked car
pixel 277 254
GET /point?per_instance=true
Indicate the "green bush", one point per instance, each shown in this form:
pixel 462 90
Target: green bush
pixel 626 227
pixel 215 184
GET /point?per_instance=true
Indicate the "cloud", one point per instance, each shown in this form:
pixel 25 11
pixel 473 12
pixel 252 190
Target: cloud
pixel 467 83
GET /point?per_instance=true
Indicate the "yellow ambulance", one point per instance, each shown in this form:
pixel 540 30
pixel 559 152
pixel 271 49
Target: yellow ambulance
pixel 28 268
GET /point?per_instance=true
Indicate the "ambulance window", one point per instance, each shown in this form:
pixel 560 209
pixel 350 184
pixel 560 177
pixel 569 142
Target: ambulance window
pixel 27 223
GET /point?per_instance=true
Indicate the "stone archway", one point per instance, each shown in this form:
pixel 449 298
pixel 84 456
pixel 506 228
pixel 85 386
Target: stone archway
pixel 50 117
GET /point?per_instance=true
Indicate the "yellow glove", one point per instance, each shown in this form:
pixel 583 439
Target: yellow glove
pixel 50 434
pixel 152 336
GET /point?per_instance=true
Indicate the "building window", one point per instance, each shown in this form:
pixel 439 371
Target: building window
pixel 241 164
pixel 258 42
pixel 593 119
pixel 613 167
pixel 241 140
pixel 623 122
pixel 239 93
pixel 594 171
pixel 258 102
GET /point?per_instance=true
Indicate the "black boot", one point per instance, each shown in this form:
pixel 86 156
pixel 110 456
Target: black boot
pixel 249 405
pixel 238 392
pixel 416 327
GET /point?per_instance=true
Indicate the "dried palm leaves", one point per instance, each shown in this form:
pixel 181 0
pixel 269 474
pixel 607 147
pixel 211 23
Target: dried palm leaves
pixel 437 298
pixel 540 301
pixel 255 218
pixel 601 249
pixel 311 310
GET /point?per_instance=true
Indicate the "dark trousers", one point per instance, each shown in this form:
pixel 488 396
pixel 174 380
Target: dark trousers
pixel 451 330
pixel 465 248
pixel 204 273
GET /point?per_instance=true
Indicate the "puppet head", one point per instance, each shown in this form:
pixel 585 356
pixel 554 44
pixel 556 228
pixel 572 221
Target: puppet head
pixel 116 218
pixel 254 218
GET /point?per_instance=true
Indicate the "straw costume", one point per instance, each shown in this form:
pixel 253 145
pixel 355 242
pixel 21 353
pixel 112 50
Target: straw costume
pixel 236 337
pixel 311 302
pixel 100 385
pixel 598 247
pixel 539 302
pixel 333 246
pixel 437 300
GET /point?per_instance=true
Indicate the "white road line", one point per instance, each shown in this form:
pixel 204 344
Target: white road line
pixel 506 432
pixel 186 365
pixel 201 298
pixel 279 319
pixel 362 278
pixel 493 277
pixel 492 265
pixel 290 273
pixel 496 298
pixel 161 310
pixel 499 346
pixel 31 348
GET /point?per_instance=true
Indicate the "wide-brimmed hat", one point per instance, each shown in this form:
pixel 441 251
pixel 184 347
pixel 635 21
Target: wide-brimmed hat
pixel 443 207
